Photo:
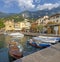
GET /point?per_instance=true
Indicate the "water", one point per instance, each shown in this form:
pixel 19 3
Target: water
pixel 28 49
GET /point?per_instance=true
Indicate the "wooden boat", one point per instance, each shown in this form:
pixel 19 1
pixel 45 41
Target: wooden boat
pixel 15 50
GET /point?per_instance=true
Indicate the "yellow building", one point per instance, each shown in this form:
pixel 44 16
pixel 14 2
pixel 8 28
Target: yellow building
pixel 17 26
pixel 9 25
pixel 22 25
pixel 25 25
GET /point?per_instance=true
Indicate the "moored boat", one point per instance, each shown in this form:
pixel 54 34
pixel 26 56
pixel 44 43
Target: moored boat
pixel 47 39
pixel 43 45
pixel 17 34
pixel 15 50
pixel 38 45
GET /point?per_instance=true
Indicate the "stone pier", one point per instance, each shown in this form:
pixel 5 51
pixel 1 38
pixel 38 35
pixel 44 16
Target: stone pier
pixel 50 54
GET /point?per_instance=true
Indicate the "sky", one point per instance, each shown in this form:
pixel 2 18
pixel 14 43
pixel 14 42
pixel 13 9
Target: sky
pixel 17 6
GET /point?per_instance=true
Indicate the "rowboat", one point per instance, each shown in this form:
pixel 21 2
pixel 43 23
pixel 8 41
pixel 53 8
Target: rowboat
pixel 15 50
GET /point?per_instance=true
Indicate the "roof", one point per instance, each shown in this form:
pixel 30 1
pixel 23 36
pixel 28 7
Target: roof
pixel 54 15
pixel 52 24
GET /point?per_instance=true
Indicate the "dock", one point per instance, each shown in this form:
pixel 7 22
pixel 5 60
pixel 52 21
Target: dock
pixel 30 34
pixel 39 34
pixel 50 54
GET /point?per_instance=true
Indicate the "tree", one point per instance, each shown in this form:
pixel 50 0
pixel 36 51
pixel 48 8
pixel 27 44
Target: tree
pixel 40 28
pixel 33 27
pixel 1 24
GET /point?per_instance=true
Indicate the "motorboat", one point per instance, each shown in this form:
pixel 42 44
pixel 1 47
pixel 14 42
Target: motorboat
pixel 38 44
pixel 5 33
pixel 47 39
pixel 17 34
pixel 15 50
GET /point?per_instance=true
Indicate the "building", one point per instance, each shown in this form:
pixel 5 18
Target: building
pixel 9 25
pixel 55 18
pixel 17 26
pixel 25 25
pixel 53 29
pixel 40 21
pixel 54 25
pixel 43 20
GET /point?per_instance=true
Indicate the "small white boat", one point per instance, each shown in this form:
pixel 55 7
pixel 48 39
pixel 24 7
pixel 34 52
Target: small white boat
pixel 5 33
pixel 47 39
pixel 17 34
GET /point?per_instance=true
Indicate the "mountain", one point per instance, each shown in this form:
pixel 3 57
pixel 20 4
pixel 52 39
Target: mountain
pixel 2 14
pixel 32 14
pixel 40 13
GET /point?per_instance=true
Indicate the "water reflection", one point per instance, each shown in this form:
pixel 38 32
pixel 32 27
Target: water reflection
pixel 4 40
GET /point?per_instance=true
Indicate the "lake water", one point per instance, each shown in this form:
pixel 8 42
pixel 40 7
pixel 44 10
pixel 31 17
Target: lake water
pixel 28 49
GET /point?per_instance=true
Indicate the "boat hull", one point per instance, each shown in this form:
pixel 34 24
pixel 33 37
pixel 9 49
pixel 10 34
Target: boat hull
pixel 15 53
pixel 41 45
pixel 15 50
pixel 47 39
pixel 14 57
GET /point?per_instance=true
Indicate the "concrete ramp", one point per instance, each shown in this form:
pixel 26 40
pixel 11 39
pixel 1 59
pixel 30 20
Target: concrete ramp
pixel 50 54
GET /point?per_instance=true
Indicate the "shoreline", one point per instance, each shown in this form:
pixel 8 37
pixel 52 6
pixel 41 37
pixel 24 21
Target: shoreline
pixel 39 34
pixel 34 34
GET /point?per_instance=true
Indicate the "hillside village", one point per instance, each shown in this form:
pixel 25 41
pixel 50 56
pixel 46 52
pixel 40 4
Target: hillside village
pixel 46 24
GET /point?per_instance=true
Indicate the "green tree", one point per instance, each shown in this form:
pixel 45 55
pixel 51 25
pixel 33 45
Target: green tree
pixel 40 28
pixel 1 24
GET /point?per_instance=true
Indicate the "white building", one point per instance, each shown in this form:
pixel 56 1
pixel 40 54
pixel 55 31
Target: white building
pixel 55 18
pixel 43 20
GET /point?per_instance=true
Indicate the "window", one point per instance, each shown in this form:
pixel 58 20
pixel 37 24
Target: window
pixel 56 20
pixel 9 26
pixel 57 16
pixel 42 21
pixel 53 17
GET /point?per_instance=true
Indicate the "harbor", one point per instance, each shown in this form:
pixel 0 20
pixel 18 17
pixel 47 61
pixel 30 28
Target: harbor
pixel 29 31
pixel 4 47
pixel 51 54
pixel 11 45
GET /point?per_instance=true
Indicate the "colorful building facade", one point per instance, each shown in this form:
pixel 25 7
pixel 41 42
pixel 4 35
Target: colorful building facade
pixel 11 25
